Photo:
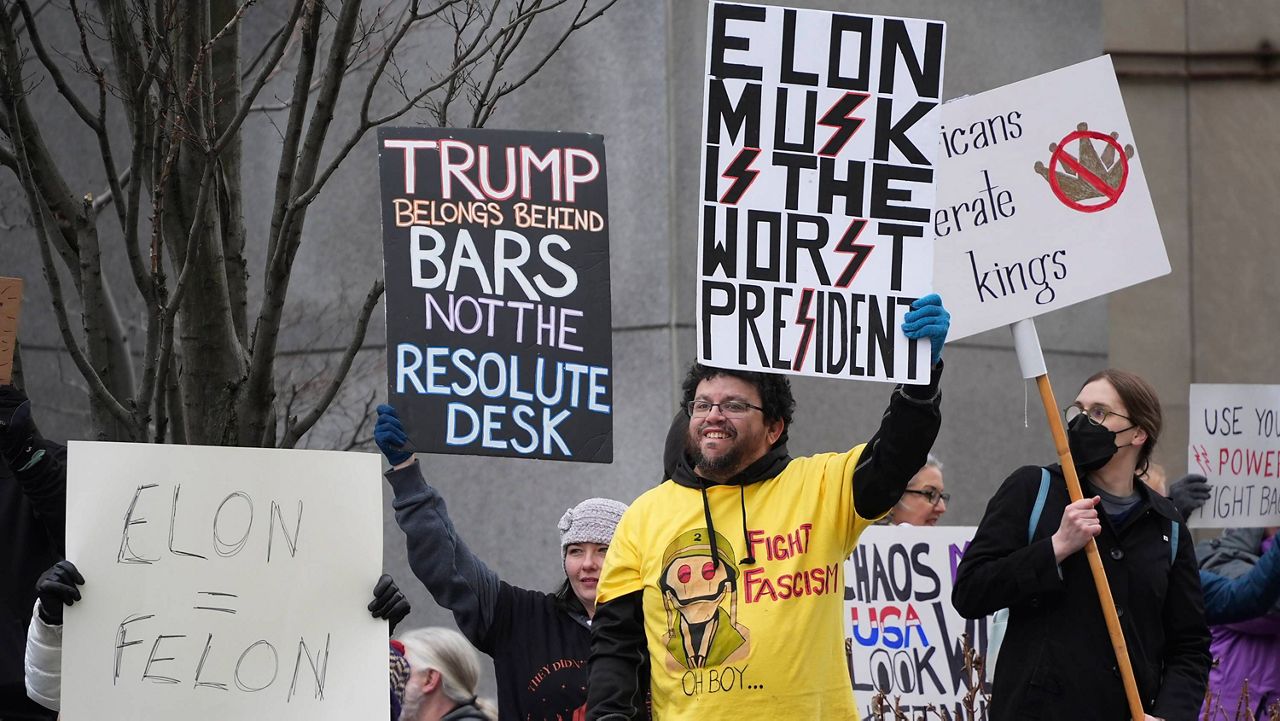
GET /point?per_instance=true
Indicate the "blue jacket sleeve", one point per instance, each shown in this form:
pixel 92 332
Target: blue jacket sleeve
pixel 1229 600
pixel 456 579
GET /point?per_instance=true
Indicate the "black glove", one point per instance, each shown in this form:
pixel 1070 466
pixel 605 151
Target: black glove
pixel 388 602
pixel 1189 493
pixel 17 428
pixel 57 588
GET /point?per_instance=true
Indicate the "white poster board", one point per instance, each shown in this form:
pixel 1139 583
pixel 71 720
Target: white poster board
pixel 904 636
pixel 1042 200
pixel 1234 441
pixel 819 144
pixel 223 583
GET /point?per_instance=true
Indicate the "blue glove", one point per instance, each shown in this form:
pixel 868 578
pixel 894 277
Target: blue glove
pixel 928 319
pixel 390 436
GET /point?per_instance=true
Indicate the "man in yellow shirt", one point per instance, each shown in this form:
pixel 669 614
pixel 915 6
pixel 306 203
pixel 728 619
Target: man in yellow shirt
pixel 744 619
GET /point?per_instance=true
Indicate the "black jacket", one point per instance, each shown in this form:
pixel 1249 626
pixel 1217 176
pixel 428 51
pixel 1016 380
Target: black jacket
pixel 1057 661
pixel 539 641
pixel 32 523
pixel 619 656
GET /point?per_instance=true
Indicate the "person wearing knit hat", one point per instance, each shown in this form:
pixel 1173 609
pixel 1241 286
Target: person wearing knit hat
pixel 539 641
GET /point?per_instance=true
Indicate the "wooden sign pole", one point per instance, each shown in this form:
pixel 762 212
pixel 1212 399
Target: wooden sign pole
pixel 1031 360
pixel 10 304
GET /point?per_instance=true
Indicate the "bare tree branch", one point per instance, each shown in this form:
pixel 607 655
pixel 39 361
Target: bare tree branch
pixel 295 430
pixel 54 71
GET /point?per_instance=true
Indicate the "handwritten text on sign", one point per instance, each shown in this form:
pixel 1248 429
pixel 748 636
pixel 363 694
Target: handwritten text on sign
pixel 1234 441
pixel 904 635
pixel 818 156
pixel 223 583
pixel 497 269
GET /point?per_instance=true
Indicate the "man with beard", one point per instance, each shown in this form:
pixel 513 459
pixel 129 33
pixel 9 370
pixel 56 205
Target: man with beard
pixel 724 585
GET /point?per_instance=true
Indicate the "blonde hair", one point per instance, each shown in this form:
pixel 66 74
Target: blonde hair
pixel 449 653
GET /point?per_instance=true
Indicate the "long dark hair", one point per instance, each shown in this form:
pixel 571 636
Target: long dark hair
pixel 1142 406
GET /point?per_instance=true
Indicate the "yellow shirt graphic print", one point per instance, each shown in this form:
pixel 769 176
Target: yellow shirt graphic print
pixel 739 641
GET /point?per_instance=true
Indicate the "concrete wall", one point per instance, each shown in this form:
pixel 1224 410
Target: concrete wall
pixel 1209 142
pixel 635 76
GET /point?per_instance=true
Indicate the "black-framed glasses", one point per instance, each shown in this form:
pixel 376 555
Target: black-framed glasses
pixel 932 495
pixel 731 409
pixel 1097 415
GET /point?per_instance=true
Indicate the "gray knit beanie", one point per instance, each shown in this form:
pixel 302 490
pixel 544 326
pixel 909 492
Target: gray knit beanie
pixel 592 521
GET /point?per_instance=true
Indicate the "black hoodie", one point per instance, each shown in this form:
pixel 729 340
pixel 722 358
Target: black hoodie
pixel 618 672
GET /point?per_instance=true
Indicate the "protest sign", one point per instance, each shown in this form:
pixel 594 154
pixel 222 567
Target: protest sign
pixel 10 307
pixel 1234 441
pixel 496 253
pixel 1042 201
pixel 818 168
pixel 904 637
pixel 223 583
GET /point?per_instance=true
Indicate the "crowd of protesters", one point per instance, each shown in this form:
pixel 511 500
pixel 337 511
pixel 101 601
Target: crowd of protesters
pixel 679 590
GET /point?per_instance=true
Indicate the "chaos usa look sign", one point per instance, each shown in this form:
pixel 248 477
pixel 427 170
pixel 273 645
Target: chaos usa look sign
pixel 1234 441
pixel 223 583
pixel 903 635
pixel 819 144
pixel 496 253
pixel 1042 201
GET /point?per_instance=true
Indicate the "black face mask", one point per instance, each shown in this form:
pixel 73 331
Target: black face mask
pixel 1091 445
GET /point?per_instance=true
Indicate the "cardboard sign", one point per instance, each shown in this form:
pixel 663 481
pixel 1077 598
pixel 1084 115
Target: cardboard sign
pixel 496 251
pixel 223 583
pixel 904 635
pixel 1042 202
pixel 819 144
pixel 10 309
pixel 1234 441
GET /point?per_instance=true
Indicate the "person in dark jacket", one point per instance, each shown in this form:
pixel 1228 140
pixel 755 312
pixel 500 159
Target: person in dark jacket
pixel 1057 660
pixel 723 592
pixel 33 487
pixel 443 673
pixel 539 641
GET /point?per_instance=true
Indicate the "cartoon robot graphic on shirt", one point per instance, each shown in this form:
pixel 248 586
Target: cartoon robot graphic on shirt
pixel 701 600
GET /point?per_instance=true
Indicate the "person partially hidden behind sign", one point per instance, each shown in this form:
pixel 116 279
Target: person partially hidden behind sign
pixel 1057 660
pixel 925 499
pixel 539 641
pixel 60 586
pixel 443 674
pixel 724 584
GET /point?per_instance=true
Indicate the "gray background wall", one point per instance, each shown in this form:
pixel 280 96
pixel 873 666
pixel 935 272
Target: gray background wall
pixel 635 77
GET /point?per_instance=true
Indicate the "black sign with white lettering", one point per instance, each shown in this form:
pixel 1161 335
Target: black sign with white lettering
pixel 496 253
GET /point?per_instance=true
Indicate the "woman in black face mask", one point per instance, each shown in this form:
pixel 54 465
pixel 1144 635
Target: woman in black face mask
pixel 1056 660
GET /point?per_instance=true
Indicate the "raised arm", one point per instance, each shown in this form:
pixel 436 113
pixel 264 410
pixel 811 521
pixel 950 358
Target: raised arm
pixel 456 579
pixel 910 424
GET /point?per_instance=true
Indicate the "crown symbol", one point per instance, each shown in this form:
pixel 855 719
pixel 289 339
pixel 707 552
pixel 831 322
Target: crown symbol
pixel 1106 168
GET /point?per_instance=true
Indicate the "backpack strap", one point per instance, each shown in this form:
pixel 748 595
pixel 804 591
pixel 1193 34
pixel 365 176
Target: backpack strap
pixel 1039 507
pixel 1173 542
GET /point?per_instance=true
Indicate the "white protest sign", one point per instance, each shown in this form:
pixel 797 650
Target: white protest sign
pixel 904 636
pixel 1042 201
pixel 223 583
pixel 818 168
pixel 1234 440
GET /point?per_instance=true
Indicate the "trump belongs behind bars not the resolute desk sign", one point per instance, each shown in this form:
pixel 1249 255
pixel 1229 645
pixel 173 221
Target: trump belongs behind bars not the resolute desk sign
pixel 819 143
pixel 496 253
pixel 223 583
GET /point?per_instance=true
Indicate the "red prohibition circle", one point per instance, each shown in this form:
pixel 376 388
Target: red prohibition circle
pixel 1112 194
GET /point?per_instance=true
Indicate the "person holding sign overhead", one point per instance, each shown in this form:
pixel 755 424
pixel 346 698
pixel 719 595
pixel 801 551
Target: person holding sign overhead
pixel 725 581
pixel 539 641
pixel 1057 661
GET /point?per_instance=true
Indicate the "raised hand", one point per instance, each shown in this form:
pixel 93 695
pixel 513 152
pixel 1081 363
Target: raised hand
pixel 928 319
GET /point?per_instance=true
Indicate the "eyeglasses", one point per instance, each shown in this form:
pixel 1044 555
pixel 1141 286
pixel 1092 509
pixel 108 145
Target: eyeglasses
pixel 932 495
pixel 731 409
pixel 1097 415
